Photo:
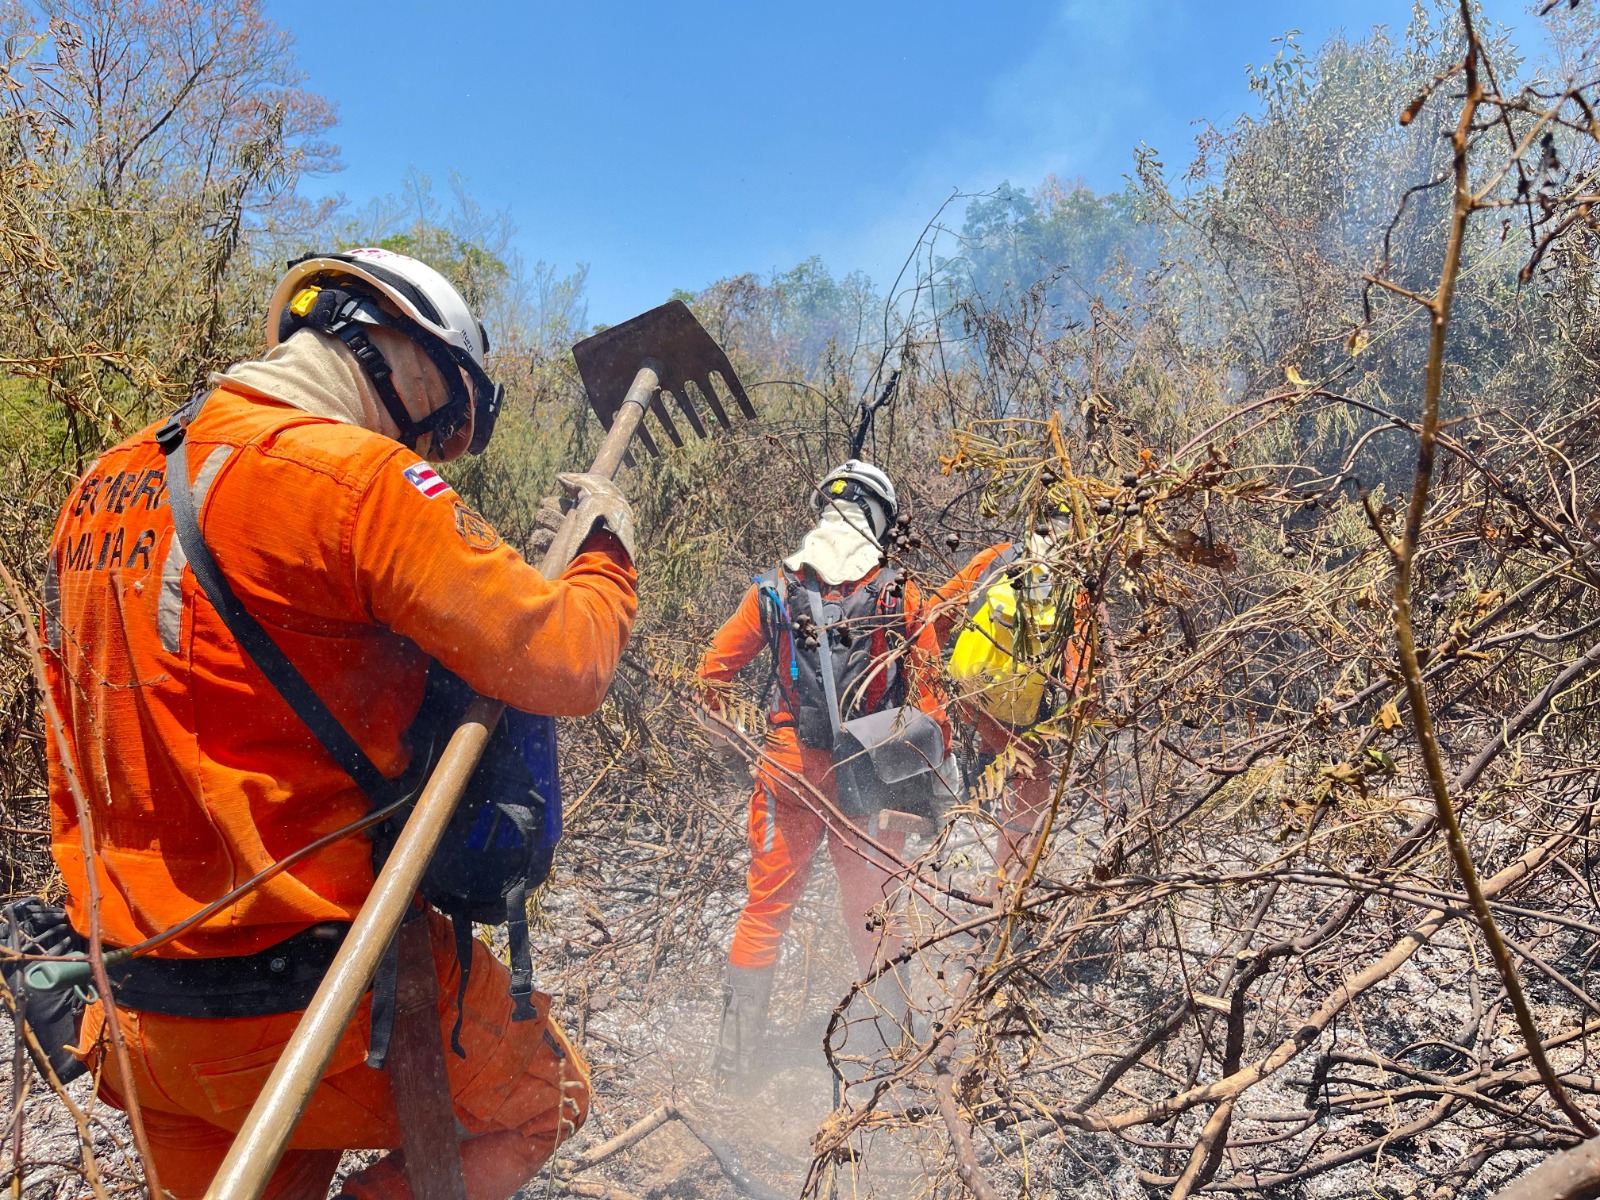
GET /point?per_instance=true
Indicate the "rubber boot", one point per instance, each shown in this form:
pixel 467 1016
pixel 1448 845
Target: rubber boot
pixel 746 997
pixel 898 1020
pixel 889 1020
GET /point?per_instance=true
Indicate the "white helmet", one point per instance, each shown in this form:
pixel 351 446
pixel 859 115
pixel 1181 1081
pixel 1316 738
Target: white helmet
pixel 340 293
pixel 860 483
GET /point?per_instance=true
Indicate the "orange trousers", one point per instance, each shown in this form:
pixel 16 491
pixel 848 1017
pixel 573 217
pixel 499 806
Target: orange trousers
pixel 786 833
pixel 520 1091
pixel 1030 783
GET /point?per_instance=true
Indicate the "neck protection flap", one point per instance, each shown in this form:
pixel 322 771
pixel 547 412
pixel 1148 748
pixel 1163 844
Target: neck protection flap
pixel 840 548
pixel 316 373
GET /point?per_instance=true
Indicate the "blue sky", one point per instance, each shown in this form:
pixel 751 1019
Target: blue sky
pixel 670 144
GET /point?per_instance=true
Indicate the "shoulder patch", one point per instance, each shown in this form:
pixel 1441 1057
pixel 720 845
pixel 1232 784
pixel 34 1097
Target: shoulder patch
pixel 427 481
pixel 474 530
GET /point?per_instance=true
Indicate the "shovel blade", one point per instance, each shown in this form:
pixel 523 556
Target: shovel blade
pixel 681 351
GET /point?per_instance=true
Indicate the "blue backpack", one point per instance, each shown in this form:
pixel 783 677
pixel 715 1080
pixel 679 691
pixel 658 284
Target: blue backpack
pixel 498 846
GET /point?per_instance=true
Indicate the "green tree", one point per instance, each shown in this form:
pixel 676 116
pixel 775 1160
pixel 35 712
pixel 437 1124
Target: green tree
pixel 1062 236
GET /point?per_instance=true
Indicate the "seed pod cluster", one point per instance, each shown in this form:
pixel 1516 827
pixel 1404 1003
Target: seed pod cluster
pixel 806 634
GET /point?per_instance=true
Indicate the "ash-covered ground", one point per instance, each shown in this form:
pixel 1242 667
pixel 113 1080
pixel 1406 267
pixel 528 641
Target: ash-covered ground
pixel 636 973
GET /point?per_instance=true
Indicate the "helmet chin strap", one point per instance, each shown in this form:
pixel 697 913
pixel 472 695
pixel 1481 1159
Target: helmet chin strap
pixel 440 422
pixel 345 315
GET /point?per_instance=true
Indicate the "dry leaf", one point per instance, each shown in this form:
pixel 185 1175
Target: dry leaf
pixel 1388 717
pixel 1294 377
pixel 1192 548
pixel 1485 603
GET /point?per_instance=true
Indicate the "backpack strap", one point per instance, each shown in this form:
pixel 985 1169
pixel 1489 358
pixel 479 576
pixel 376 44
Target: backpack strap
pixel 772 590
pixel 881 589
pixel 830 687
pixel 521 988
pixel 282 674
pixel 521 956
pixel 385 993
pixel 772 596
pixel 888 604
pixel 518 952
pixel 461 926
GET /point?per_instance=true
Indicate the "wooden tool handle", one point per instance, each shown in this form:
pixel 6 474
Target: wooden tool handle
pixel 564 547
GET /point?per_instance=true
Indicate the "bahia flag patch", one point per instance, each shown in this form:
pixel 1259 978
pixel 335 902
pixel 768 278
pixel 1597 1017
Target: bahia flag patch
pixel 426 480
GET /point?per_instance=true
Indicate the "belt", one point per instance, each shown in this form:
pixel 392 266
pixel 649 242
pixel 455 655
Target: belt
pixel 280 979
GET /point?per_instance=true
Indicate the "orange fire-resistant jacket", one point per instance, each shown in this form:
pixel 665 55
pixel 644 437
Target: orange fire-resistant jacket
pixel 741 638
pixel 362 565
pixel 951 601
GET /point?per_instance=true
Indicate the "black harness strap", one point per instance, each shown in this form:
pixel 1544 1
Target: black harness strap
pixel 247 631
pixel 282 675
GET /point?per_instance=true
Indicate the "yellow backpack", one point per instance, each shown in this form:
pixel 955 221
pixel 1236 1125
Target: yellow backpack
pixel 984 666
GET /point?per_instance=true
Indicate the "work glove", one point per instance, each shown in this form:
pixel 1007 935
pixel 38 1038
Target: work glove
pixel 545 527
pixel 598 501
pixel 731 753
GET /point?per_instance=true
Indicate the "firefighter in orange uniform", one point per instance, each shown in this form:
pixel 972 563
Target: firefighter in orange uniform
pixel 884 655
pixel 1030 779
pixel 309 471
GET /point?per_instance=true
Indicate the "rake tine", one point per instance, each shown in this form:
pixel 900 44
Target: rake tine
pixel 712 400
pixel 680 393
pixel 681 356
pixel 659 407
pixel 736 389
pixel 648 442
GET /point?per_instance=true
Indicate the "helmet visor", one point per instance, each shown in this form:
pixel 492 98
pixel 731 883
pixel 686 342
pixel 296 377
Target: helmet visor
pixel 487 397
